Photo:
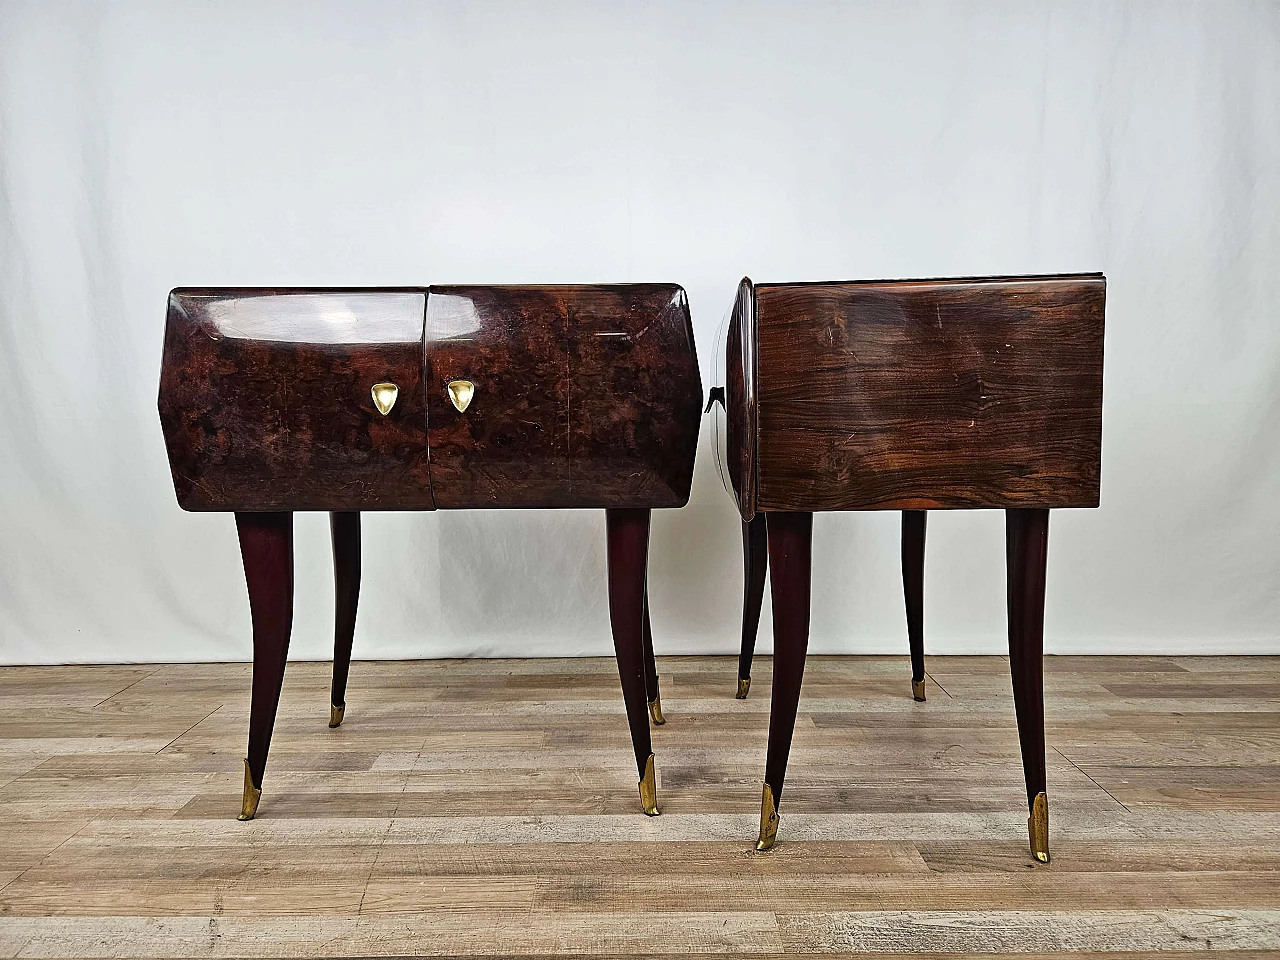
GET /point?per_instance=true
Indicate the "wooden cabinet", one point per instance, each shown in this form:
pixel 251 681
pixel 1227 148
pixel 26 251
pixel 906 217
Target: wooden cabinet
pixel 579 397
pixel 911 395
pixel 266 400
pixel 276 400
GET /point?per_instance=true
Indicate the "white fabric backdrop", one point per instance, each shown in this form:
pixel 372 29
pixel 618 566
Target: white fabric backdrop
pixel 145 146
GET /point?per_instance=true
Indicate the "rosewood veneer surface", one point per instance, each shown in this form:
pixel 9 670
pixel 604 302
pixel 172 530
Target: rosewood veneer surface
pixel 585 396
pixel 916 394
pixel 265 399
pixel 909 395
pixel 345 400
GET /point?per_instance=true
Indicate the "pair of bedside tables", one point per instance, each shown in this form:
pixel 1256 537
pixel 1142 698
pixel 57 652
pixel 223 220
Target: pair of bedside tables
pixel 903 395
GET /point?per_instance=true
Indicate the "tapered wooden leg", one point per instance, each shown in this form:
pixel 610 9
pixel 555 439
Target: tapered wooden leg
pixel 266 546
pixel 1026 550
pixel 790 552
pixel 345 530
pixel 913 524
pixel 651 668
pixel 628 548
pixel 755 557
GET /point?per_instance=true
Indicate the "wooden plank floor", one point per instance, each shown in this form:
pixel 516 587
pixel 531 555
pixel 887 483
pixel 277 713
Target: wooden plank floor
pixel 489 808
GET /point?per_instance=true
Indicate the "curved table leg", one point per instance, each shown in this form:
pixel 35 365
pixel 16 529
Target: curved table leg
pixel 755 560
pixel 1026 553
pixel 790 556
pixel 913 526
pixel 651 668
pixel 628 548
pixel 266 546
pixel 345 531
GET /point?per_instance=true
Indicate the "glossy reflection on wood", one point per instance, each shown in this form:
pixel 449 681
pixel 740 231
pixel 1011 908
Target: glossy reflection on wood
pixel 628 550
pixel 276 400
pixel 266 547
pixel 755 556
pixel 740 400
pixel 912 395
pixel 345 532
pixel 652 693
pixel 790 562
pixel 266 399
pixel 584 396
pixel 1027 548
pixel 913 530
pixel 927 394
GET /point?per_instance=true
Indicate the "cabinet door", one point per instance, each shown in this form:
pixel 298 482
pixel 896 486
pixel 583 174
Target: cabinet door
pixel 267 400
pixel 580 396
pixel 509 446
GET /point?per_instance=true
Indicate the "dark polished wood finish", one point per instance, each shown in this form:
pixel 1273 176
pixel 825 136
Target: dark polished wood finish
pixel 914 395
pixel 913 530
pixel 651 691
pixel 740 400
pixel 790 561
pixel 265 400
pixel 755 564
pixel 584 396
pixel 266 547
pixel 755 555
pixel 628 551
pixel 1026 558
pixel 345 531
pixel 928 394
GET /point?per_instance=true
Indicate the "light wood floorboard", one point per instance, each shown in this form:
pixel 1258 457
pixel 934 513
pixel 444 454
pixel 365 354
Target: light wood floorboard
pixel 489 809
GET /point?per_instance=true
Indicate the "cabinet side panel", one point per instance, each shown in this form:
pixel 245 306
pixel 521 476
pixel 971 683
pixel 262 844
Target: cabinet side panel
pixel 740 399
pixel 266 403
pixel 931 394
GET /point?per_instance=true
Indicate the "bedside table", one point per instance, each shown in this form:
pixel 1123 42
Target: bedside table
pixel 423 398
pixel 909 395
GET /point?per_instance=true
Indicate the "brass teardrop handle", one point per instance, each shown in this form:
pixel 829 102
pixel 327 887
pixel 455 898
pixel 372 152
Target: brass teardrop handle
pixel 461 392
pixel 384 396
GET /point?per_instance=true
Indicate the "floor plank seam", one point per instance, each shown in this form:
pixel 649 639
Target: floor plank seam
pixel 39 863
pixel 391 822
pixel 940 686
pixel 130 686
pixel 189 729
pixel 373 865
pixel 521 836
pixel 1091 780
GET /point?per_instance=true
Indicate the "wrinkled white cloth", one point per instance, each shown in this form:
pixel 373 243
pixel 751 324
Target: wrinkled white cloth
pixel 145 146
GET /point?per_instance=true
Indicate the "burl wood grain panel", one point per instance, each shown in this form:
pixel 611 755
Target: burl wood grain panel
pixel 265 400
pixel 585 396
pixel 930 394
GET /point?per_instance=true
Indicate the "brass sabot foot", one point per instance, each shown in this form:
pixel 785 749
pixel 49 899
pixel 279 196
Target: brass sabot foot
pixel 252 794
pixel 655 711
pixel 917 690
pixel 335 715
pixel 649 789
pixel 768 820
pixel 744 684
pixel 1038 827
